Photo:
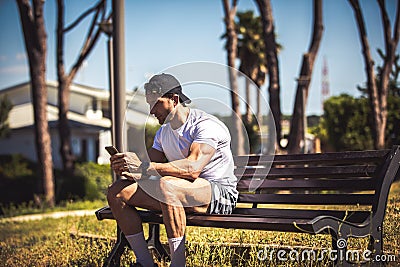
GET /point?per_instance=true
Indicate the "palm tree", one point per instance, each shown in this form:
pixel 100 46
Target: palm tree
pixel 231 48
pixel 251 55
pixel 298 121
pixel 251 52
pixel 66 78
pixel 253 63
pixel 271 54
pixel 34 29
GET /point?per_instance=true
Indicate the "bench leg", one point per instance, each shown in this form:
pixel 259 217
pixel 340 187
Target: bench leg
pixel 339 244
pixel 376 242
pixel 154 243
pixel 114 257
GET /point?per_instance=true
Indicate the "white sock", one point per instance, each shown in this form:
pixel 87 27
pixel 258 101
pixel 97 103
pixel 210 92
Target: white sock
pixel 177 248
pixel 139 246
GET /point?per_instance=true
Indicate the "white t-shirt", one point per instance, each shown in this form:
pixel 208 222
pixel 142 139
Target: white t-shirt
pixel 200 127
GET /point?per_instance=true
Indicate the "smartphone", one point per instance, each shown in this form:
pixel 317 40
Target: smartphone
pixel 111 150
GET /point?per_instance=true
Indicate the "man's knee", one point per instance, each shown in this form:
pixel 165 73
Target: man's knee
pixel 170 189
pixel 169 184
pixel 166 184
pixel 112 193
pixel 117 192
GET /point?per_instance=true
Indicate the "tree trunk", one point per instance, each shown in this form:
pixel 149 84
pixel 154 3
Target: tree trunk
pixel 259 115
pixel 259 81
pixel 378 93
pixel 265 9
pixel 33 26
pixel 248 115
pixel 390 49
pixel 63 95
pixel 231 46
pixel 65 79
pixel 297 125
pixel 369 68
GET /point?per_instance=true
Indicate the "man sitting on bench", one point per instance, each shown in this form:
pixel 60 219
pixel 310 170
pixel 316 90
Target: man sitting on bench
pixel 197 176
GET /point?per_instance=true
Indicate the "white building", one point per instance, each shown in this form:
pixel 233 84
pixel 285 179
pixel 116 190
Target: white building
pixel 89 118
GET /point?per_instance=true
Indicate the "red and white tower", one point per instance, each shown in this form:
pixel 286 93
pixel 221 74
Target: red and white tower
pixel 325 84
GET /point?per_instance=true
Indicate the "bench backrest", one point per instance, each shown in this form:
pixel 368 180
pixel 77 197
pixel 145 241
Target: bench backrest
pixel 340 178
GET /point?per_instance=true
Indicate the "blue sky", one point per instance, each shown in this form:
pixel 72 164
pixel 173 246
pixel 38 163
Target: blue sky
pixel 161 34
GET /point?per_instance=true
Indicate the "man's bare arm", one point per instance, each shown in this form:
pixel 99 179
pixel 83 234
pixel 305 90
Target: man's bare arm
pixel 190 168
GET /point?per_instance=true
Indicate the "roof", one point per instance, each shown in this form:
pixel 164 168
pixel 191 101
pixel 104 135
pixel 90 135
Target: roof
pixel 21 115
pixel 78 88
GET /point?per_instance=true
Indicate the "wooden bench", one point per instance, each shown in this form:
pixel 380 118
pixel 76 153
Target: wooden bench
pixel 343 194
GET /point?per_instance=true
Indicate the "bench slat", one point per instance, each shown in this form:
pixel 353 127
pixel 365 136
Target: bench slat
pixel 312 199
pixel 318 158
pixel 251 223
pixel 309 184
pixel 236 221
pixel 308 172
pixel 350 216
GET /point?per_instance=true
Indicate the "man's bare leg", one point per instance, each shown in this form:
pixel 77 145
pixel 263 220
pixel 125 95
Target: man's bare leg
pixel 180 194
pixel 173 196
pixel 121 195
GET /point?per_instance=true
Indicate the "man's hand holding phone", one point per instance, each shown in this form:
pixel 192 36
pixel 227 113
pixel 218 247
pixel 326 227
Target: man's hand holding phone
pixel 125 164
pixel 111 150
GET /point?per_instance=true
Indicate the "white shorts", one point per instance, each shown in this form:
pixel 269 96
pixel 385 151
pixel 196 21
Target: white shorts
pixel 223 201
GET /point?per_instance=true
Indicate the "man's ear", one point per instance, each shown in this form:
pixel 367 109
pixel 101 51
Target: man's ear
pixel 175 98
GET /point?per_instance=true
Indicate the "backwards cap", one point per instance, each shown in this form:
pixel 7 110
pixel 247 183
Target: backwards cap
pixel 163 84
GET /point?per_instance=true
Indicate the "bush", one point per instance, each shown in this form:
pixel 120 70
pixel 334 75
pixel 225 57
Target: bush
pixel 96 179
pixel 18 179
pixel 89 182
pixel 20 182
pixel 346 123
pixel 14 166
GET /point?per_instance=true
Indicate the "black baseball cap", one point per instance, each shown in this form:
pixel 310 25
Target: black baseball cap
pixel 163 84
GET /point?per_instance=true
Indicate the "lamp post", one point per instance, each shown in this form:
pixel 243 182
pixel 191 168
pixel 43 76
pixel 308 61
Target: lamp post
pixel 115 31
pixel 118 87
pixel 106 27
pixel 118 19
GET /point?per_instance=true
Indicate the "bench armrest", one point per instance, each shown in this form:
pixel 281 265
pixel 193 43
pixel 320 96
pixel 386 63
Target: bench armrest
pixel 104 213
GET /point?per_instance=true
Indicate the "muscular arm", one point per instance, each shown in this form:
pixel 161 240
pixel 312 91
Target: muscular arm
pixel 190 168
pixel 127 164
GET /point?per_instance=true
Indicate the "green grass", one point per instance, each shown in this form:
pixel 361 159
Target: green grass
pixel 58 242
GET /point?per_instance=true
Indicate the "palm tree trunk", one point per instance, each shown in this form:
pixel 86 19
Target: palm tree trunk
pixel 35 37
pixel 248 115
pixel 238 142
pixel 65 79
pixel 259 115
pixel 264 6
pixel 297 125
pixel 63 95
